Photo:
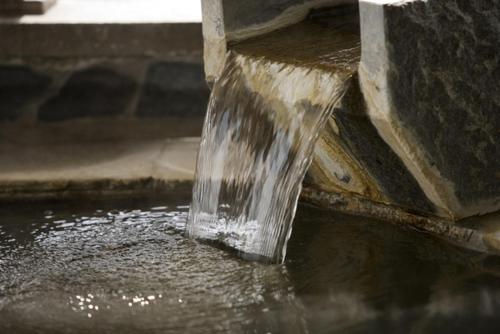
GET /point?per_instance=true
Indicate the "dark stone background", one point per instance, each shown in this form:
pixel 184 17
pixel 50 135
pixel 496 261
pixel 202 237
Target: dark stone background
pixel 94 92
pixel 42 91
pixel 179 88
pixel 19 86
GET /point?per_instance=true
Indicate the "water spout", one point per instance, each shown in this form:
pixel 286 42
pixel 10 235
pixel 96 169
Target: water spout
pixel 263 121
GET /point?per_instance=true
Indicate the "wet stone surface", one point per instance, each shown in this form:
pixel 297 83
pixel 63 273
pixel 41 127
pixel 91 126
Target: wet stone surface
pixel 174 89
pixel 93 92
pixel 19 86
pixel 125 267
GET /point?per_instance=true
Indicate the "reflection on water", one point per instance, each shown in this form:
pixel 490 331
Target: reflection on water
pixel 126 268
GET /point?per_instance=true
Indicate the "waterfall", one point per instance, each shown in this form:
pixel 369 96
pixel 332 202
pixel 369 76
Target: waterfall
pixel 264 117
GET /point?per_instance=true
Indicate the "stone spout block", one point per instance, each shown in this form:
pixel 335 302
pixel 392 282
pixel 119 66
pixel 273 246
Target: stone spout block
pixel 429 74
pixel 418 129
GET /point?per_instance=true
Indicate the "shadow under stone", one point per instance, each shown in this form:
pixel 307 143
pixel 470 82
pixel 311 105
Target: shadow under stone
pixel 363 141
pixel 94 92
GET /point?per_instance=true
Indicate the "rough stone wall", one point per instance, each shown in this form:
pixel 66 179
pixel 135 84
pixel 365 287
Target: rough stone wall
pixel 446 91
pixel 66 90
pixel 429 73
pixel 112 72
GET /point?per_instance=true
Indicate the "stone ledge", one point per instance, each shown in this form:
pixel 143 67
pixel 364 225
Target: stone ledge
pixel 175 40
pixel 63 156
pixel 472 235
pixel 30 191
pixel 85 158
pixel 91 159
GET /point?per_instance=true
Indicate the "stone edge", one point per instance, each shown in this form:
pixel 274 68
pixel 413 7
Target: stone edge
pixel 473 239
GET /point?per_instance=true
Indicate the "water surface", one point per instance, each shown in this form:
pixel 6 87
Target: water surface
pixel 126 267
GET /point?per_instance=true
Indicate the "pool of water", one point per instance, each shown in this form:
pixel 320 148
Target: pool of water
pixel 124 266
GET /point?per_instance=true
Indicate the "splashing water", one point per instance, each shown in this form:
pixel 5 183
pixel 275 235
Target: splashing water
pixel 263 121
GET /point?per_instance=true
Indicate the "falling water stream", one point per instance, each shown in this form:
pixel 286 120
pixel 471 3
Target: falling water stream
pixel 265 114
